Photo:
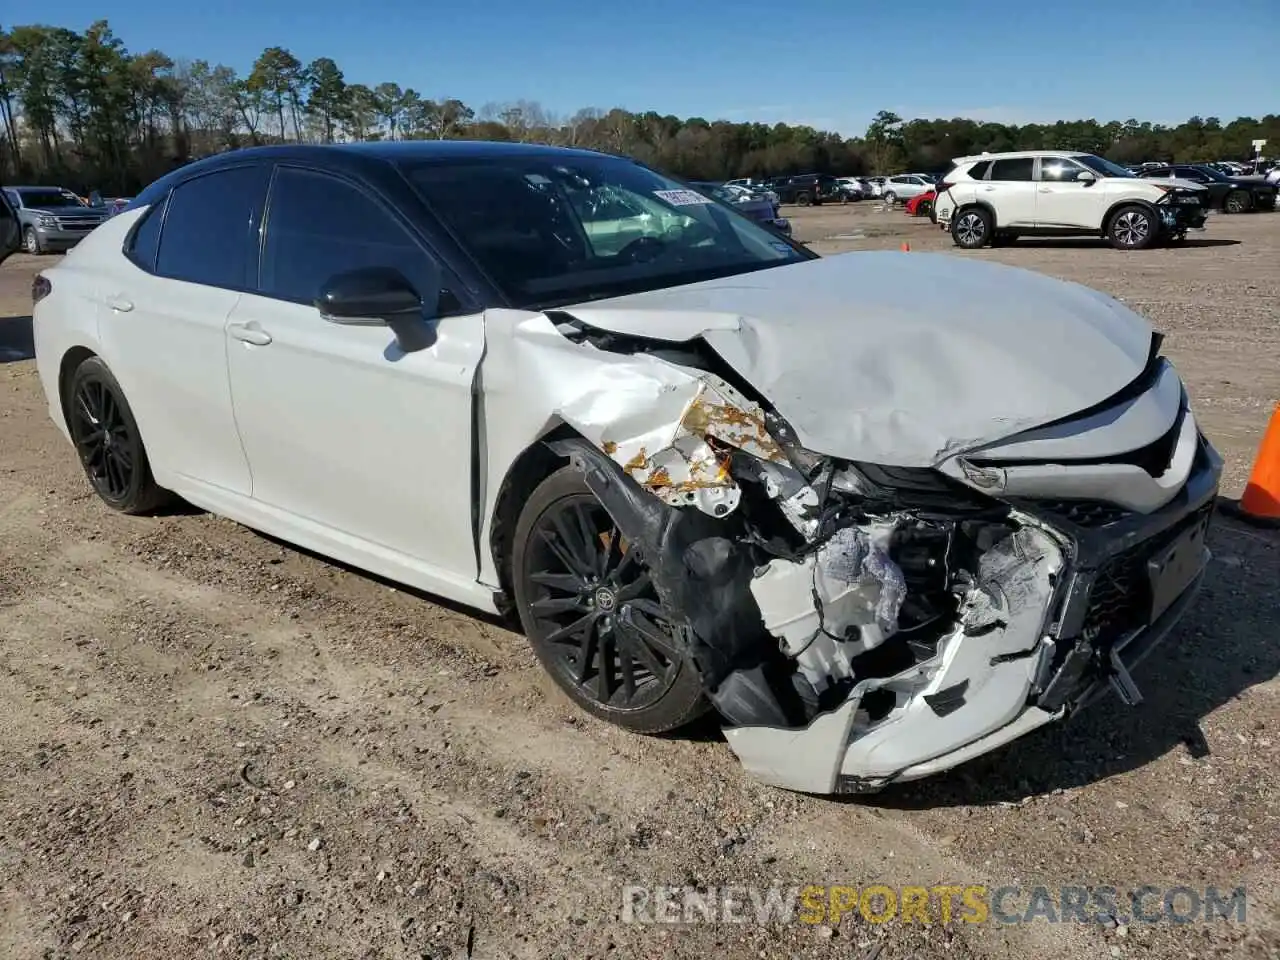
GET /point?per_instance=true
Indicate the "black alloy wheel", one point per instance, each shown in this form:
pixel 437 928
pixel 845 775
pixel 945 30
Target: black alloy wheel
pixel 592 615
pixel 1237 201
pixel 106 437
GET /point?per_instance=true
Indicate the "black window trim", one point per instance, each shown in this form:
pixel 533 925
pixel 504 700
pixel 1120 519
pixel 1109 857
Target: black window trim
pixel 158 209
pixel 467 304
pixel 248 164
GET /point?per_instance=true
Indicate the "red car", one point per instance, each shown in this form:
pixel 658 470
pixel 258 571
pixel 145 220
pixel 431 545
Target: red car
pixel 922 205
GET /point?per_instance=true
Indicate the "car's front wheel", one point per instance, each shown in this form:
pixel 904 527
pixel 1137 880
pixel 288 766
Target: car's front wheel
pixel 1237 201
pixel 31 240
pixel 971 228
pixel 1132 228
pixel 591 613
pixel 891 198
pixel 106 437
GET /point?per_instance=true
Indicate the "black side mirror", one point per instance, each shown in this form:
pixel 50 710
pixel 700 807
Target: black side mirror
pixel 376 297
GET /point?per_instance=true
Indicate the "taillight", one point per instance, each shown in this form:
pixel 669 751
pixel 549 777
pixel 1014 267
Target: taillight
pixel 944 186
pixel 40 288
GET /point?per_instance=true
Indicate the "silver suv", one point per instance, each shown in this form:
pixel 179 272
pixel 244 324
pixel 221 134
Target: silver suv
pixel 52 219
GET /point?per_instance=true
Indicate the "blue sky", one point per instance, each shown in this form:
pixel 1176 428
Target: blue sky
pixel 827 63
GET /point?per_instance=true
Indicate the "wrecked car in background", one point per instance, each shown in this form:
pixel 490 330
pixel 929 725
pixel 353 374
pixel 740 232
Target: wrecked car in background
pixel 880 532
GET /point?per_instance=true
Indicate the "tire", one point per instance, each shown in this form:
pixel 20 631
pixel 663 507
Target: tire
pixel 803 199
pixel 971 228
pixel 107 440
pixel 1237 201
pixel 31 242
pixel 577 623
pixel 891 198
pixel 1132 228
pixel 925 209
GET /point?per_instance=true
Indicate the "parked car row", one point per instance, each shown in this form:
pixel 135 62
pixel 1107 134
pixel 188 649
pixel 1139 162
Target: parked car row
pixel 756 205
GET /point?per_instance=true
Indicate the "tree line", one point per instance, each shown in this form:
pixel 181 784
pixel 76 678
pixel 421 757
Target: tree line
pixel 81 110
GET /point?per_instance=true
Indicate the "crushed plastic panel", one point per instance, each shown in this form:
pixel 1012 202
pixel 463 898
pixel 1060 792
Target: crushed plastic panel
pixel 989 656
pixel 839 602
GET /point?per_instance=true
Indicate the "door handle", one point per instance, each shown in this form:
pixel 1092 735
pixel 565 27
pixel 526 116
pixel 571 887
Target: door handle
pixel 119 302
pixel 249 332
pixel 1046 189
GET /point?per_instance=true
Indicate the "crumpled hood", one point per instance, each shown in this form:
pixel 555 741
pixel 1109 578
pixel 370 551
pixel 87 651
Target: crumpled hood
pixel 900 358
pixel 1180 183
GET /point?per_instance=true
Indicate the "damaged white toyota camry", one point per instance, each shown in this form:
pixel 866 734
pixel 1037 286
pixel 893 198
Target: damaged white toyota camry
pixel 883 512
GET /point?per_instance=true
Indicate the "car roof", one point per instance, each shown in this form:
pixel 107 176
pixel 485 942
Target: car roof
pixel 407 151
pixel 362 158
pixel 1020 155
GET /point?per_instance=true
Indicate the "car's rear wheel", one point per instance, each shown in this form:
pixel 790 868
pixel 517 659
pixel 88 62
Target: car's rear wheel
pixel 803 199
pixel 1132 228
pixel 106 437
pixel 891 198
pixel 971 228
pixel 31 240
pixel 1237 201
pixel 924 208
pixel 590 611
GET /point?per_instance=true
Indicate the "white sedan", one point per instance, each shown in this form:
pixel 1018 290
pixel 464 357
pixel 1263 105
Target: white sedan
pixel 862 506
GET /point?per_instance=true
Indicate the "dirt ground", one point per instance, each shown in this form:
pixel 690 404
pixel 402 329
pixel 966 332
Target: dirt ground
pixel 214 745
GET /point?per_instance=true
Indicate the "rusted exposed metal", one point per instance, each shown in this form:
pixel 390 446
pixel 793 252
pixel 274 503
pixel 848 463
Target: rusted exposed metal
pixel 690 465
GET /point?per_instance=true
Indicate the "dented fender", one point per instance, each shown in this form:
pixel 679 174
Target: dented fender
pixel 660 422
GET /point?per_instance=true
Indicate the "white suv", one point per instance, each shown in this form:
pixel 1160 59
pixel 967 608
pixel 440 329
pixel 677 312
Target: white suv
pixel 997 197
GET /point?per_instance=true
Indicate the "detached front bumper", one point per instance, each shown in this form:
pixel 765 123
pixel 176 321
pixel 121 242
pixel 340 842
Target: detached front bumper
pixel 1180 212
pixel 1117 583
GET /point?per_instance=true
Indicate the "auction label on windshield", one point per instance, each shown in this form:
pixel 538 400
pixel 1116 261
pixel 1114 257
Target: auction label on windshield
pixel 681 198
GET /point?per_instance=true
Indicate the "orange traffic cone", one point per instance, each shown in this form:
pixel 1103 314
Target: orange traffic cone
pixel 906 247
pixel 1261 501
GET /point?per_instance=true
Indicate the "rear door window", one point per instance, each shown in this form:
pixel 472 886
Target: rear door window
pixel 210 228
pixel 1013 168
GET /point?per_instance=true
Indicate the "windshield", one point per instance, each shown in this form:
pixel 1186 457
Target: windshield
pixel 1104 167
pixel 1211 172
pixel 553 230
pixel 48 197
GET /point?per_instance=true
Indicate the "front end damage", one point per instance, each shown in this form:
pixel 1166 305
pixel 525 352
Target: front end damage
pixel 857 625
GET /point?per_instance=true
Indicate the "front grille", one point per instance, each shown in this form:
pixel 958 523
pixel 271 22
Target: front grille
pixel 1120 598
pixel 1091 514
pixel 78 223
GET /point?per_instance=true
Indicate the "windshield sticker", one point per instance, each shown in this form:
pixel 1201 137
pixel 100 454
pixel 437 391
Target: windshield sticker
pixel 682 198
pixel 782 247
